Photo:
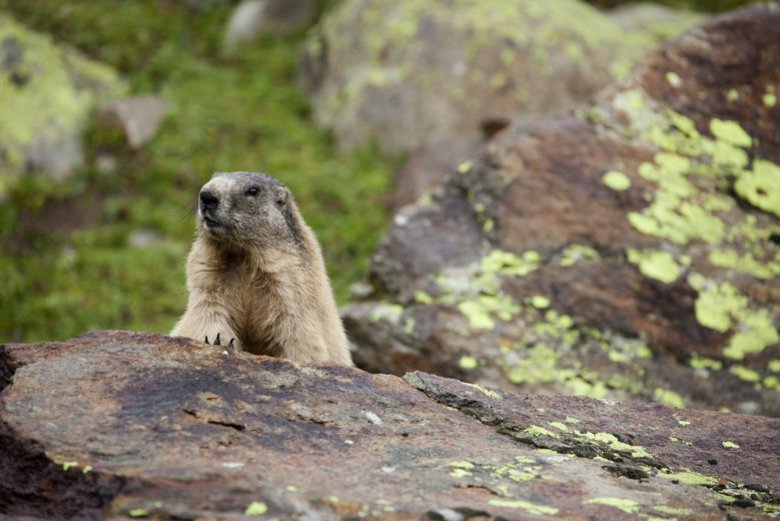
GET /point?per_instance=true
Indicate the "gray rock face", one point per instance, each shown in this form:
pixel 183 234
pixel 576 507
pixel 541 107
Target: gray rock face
pixel 138 117
pixel 626 250
pixel 276 17
pixel 118 425
pixel 48 93
pixel 403 73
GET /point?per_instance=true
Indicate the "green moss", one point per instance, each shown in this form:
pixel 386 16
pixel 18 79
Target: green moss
pixel 626 505
pixel 616 180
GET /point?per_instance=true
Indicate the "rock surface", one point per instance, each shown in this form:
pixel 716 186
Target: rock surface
pixel 630 249
pixel 252 18
pixel 122 425
pixel 403 73
pixel 138 117
pixel 48 92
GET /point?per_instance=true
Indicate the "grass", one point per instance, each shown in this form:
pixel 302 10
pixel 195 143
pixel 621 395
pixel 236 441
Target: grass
pixel 228 112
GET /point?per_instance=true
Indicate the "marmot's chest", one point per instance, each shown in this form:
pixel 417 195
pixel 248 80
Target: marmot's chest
pixel 258 313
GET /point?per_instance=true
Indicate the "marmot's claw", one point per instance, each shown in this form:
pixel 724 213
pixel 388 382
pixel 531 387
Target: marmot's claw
pixel 232 343
pixel 207 340
pixel 217 342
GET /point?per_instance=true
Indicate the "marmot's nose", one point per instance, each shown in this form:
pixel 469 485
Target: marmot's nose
pixel 208 201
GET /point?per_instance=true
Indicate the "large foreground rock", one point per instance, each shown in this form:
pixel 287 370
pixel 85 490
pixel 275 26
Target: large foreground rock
pixel 123 425
pixel 629 250
pixel 47 94
pixel 403 73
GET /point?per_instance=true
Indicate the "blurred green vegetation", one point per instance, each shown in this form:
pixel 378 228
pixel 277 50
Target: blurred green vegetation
pixel 696 5
pixel 228 112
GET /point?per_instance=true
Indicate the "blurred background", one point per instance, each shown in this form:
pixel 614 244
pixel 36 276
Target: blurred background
pixel 114 113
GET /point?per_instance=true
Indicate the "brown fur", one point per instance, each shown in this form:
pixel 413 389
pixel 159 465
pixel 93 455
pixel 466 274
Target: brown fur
pixel 255 274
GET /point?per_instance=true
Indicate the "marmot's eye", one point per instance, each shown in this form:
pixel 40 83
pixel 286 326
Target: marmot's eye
pixel 281 201
pixel 252 190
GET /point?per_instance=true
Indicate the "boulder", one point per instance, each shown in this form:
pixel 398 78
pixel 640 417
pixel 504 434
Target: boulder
pixel 659 21
pixel 404 73
pixel 119 425
pixel 626 250
pixel 137 117
pixel 252 18
pixel 48 92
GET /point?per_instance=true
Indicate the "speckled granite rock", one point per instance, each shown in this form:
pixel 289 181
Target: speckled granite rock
pixel 118 425
pixel 47 92
pixel 408 72
pixel 630 249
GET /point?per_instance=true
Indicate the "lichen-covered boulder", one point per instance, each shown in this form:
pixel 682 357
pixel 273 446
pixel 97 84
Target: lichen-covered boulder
pixel 47 93
pixel 119 425
pixel 630 249
pixel 400 73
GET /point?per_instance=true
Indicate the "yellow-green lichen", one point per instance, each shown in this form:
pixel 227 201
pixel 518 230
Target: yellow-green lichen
pixel 420 297
pixel 500 262
pixel 674 79
pixel 689 477
pixel 138 512
pixel 481 310
pixel 732 95
pixel 747 263
pixel 721 307
pixel 761 186
pixel 256 508
pixel 702 362
pixel 672 511
pixel 576 252
pixel 487 392
pixel 559 425
pixel 743 373
pixel 531 508
pixel 730 445
pixel 774 366
pixel 626 505
pixel 731 132
pixel 636 451
pixel 535 430
pixel 539 302
pixel 669 398
pixel 658 265
pixel 769 99
pixel 468 362
pixel 617 181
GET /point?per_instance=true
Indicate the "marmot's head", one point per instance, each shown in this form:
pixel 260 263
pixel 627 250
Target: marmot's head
pixel 249 210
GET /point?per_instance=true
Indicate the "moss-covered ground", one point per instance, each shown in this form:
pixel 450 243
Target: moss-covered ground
pixel 242 111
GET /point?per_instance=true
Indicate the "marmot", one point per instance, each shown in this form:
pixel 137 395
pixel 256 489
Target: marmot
pixel 256 277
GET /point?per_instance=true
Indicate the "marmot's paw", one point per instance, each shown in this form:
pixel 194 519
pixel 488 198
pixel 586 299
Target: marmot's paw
pixel 218 342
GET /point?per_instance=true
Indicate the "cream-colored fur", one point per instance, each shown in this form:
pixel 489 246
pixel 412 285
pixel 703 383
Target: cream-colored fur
pixel 261 285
